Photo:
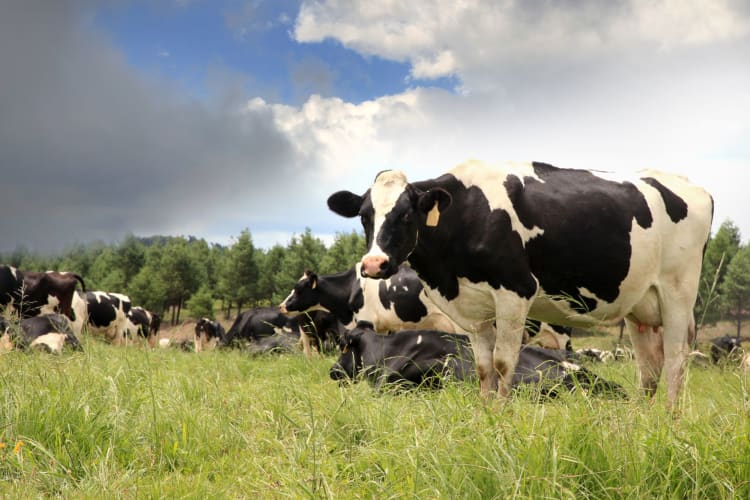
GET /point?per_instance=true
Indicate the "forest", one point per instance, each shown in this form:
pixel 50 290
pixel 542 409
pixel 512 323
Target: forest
pixel 171 274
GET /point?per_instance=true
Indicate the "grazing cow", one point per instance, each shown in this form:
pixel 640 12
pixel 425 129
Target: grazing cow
pixel 393 304
pixel 425 357
pixel 725 347
pixel 143 323
pixel 33 293
pixel 208 334
pixel 108 315
pixel 259 322
pixel 495 244
pixel 51 332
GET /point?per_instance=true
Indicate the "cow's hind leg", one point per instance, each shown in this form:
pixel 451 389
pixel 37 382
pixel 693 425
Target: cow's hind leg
pixel 649 354
pixel 483 344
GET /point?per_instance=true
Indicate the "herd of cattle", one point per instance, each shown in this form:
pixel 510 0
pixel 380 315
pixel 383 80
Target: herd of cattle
pixel 467 272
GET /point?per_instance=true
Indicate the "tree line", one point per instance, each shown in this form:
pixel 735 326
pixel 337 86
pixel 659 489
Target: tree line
pixel 166 273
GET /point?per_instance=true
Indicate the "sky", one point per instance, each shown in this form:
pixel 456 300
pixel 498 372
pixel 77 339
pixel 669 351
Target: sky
pixel 205 118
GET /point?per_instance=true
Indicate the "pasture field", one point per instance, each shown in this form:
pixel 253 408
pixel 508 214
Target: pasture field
pixel 133 423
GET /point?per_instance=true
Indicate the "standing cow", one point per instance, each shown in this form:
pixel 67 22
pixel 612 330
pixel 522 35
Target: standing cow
pixel 495 244
pixel 144 324
pixel 108 315
pixel 32 293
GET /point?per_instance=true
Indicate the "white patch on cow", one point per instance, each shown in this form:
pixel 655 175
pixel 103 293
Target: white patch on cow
pixel 570 367
pixel 419 340
pixel 491 181
pixel 164 342
pixel 53 341
pixel 49 307
pixel 384 194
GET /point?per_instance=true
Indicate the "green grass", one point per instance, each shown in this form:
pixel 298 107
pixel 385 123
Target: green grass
pixel 127 422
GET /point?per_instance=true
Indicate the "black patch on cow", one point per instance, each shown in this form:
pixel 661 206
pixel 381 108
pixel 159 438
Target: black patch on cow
pixel 676 207
pixel 104 312
pixel 471 241
pixel 587 222
pixel 403 292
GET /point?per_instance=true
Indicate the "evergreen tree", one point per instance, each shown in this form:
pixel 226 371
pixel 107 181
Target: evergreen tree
pixel 240 271
pixel 720 250
pixel 735 289
pixel 347 249
pixel 305 252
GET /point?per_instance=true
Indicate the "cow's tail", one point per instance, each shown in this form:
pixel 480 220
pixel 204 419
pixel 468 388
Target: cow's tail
pixel 80 280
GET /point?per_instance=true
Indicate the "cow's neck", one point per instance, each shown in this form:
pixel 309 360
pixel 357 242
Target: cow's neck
pixel 335 290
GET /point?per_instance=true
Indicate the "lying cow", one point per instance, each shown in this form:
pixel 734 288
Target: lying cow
pixel 281 342
pixel 51 332
pixel 258 322
pixel 208 334
pixel 425 357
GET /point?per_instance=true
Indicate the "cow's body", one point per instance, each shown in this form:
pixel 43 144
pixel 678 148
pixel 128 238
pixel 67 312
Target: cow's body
pixel 319 330
pixel 51 332
pixel 426 357
pixel 724 347
pixel 108 315
pixel 208 334
pixel 32 293
pixel 549 336
pixel 259 322
pixel 278 343
pixel 144 324
pixel 391 305
pixel 495 244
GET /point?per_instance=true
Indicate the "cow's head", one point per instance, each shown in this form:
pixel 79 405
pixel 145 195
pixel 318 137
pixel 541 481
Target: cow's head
pixel 304 296
pixel 349 364
pixel 392 212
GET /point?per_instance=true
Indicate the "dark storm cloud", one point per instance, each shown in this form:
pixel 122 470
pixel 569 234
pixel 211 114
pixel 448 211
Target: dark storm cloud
pixel 90 149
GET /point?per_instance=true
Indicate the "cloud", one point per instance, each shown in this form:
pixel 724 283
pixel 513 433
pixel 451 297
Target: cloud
pixel 91 149
pixel 480 40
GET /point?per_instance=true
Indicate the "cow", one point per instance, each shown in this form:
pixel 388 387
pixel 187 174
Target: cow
pixel 426 357
pixel 745 363
pixel 32 293
pixel 725 346
pixel 108 315
pixel 393 304
pixel 494 244
pixel 319 330
pixel 144 324
pixel 546 335
pixel 258 322
pixel 51 332
pixel 208 334
pixel 278 343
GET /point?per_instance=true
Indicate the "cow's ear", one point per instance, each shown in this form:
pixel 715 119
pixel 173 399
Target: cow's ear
pixel 345 203
pixel 432 202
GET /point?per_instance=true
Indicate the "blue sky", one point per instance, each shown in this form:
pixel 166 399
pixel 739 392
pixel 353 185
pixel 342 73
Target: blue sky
pixel 204 118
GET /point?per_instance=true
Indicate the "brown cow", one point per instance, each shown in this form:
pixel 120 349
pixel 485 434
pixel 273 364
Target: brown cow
pixel 32 293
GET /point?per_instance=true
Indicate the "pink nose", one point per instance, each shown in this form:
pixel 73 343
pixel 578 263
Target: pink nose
pixel 372 265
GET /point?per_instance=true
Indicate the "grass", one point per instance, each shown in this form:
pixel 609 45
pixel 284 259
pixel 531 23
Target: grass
pixel 128 422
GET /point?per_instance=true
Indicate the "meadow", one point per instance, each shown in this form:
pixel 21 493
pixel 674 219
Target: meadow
pixel 115 422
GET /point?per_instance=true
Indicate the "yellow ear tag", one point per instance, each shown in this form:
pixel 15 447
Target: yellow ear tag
pixel 433 216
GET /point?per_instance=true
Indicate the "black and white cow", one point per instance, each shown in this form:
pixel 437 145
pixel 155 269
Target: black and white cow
pixel 319 330
pixel 144 324
pixel 391 305
pixel 278 343
pixel 259 322
pixel 51 332
pixel 208 334
pixel 426 357
pixel 495 244
pixel 108 315
pixel 31 293
pixel 545 335
pixel 725 347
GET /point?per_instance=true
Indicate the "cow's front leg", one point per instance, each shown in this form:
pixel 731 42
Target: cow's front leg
pixel 511 313
pixel 483 344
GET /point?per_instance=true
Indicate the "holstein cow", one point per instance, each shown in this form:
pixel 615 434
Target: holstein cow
pixel 546 335
pixel 51 332
pixel 495 244
pixel 426 357
pixel 258 322
pixel 144 324
pixel 208 334
pixel 108 315
pixel 319 330
pixel 725 346
pixel 33 293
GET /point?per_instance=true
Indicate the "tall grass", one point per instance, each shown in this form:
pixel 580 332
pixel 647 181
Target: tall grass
pixel 129 422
